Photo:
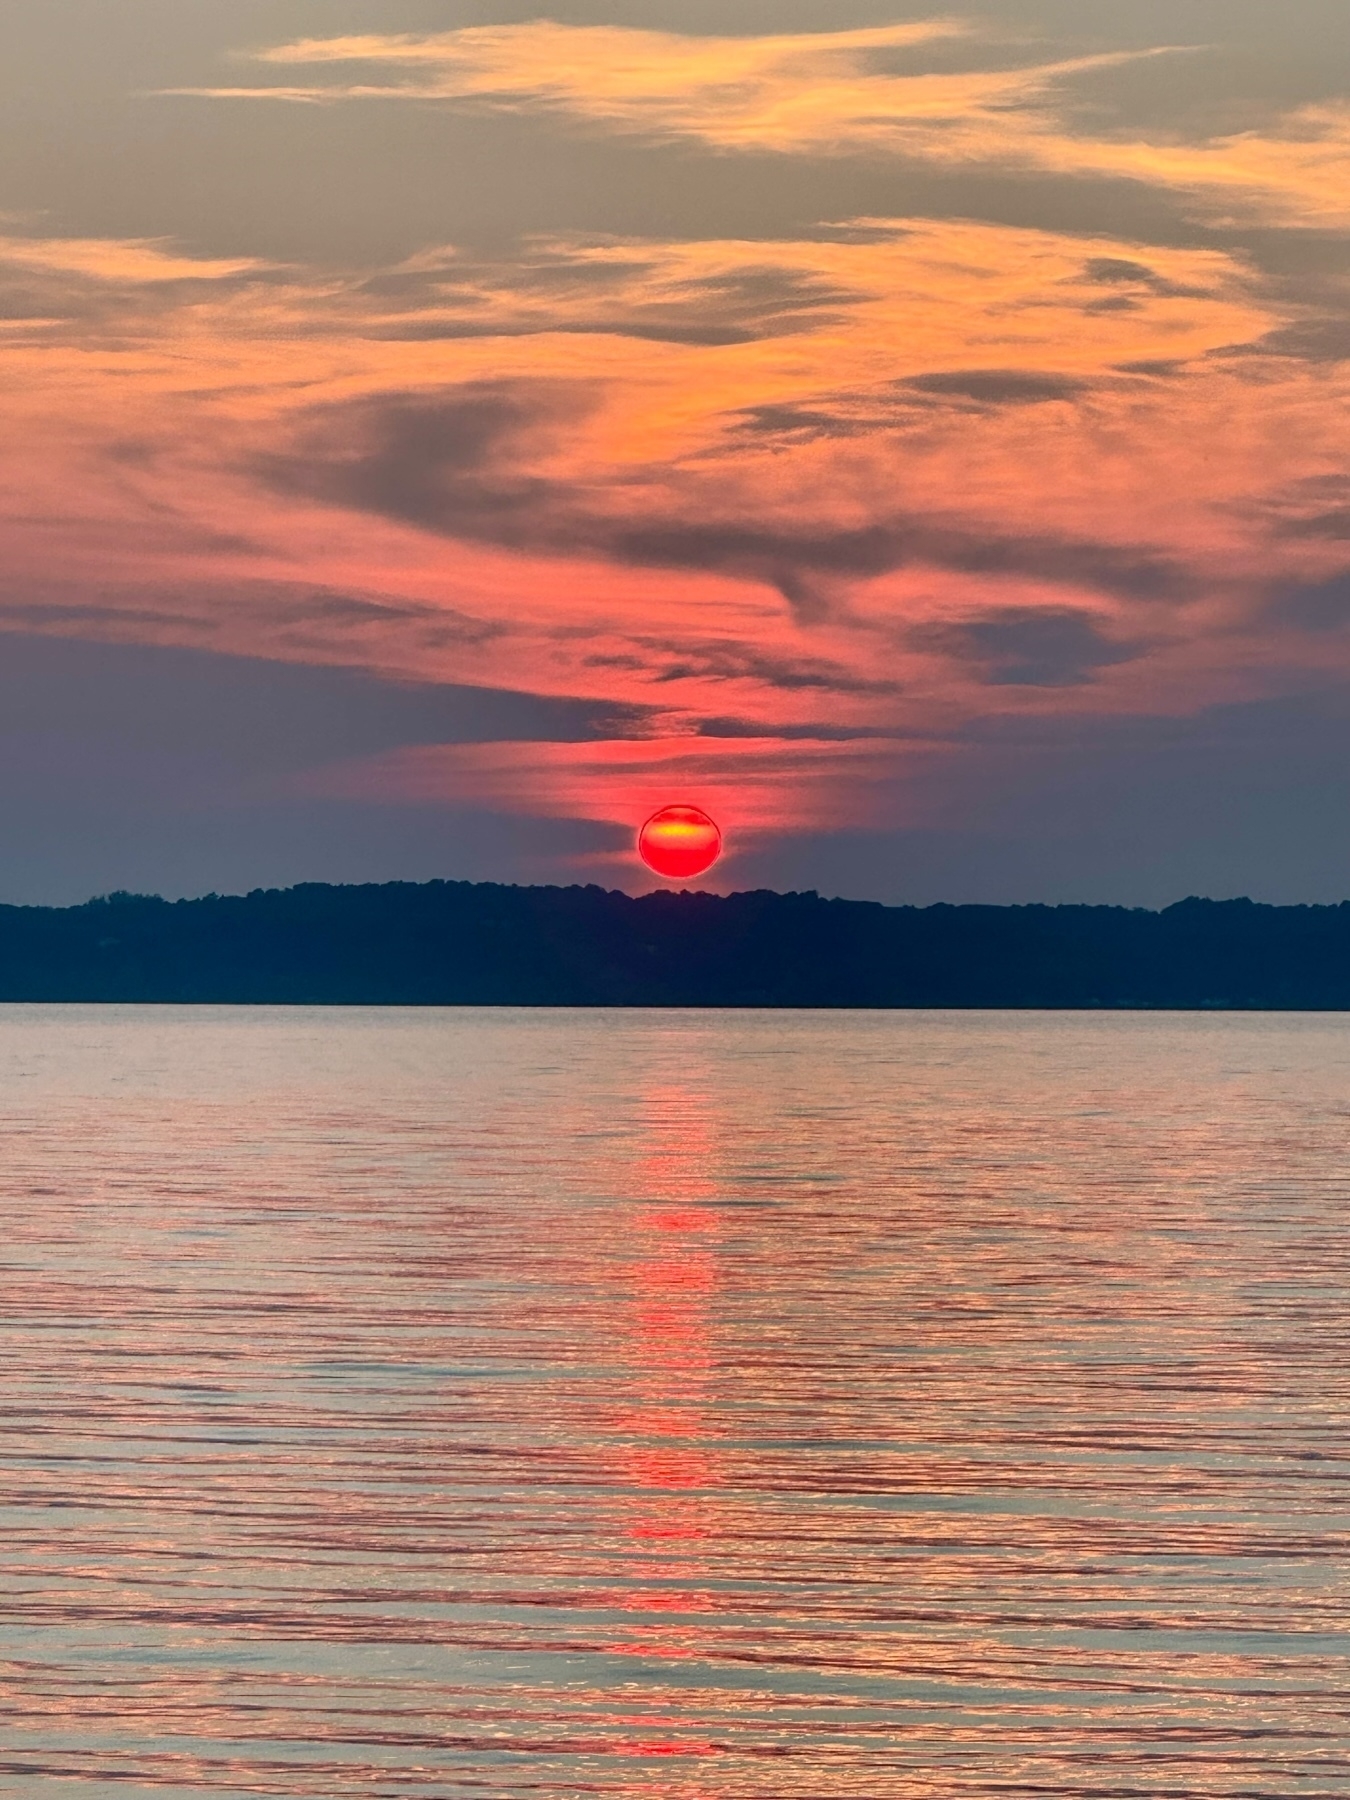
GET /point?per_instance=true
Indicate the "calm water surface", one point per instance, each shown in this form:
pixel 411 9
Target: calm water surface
pixel 714 1406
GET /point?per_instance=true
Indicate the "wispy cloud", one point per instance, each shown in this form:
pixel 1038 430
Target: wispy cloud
pixel 776 89
pixel 896 473
pixel 120 261
pixel 923 297
pixel 830 93
pixel 805 92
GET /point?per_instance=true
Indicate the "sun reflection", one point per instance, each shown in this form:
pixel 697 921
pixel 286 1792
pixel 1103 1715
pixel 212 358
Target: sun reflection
pixel 666 1462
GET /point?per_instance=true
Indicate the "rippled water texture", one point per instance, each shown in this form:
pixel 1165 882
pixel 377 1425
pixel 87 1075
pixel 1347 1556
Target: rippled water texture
pixel 722 1407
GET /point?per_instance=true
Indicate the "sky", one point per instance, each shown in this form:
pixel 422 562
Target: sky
pixel 437 435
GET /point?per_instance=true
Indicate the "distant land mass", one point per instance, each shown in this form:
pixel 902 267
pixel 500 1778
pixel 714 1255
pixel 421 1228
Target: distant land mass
pixel 448 943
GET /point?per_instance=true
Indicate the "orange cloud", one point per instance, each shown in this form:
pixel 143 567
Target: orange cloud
pixel 827 93
pixel 820 91
pixel 872 484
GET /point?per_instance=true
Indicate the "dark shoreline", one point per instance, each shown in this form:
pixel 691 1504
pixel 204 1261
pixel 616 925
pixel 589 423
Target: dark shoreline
pixel 458 943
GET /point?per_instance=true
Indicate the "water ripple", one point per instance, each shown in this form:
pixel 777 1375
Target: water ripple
pixel 725 1407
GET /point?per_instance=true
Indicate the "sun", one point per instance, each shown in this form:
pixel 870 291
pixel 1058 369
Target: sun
pixel 678 842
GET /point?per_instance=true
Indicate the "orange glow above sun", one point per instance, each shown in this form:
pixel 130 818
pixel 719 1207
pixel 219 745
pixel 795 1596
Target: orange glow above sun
pixel 679 842
pixel 807 523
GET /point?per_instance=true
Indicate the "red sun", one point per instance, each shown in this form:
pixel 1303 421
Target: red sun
pixel 678 842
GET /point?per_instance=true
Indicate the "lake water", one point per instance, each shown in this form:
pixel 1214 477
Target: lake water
pixel 707 1406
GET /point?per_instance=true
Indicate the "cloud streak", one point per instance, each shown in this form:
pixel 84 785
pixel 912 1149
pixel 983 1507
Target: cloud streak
pixel 461 464
pixel 855 451
pixel 833 93
pixel 779 517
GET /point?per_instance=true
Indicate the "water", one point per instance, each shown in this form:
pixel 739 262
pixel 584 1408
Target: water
pixel 714 1407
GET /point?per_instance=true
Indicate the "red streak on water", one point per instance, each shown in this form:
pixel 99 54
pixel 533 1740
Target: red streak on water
pixel 724 1407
